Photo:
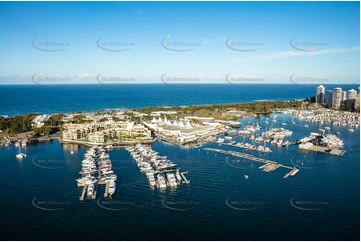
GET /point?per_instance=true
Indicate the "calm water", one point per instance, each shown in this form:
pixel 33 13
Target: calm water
pixel 23 99
pixel 40 199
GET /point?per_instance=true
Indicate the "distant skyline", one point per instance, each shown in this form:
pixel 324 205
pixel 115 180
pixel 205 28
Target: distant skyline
pixel 179 42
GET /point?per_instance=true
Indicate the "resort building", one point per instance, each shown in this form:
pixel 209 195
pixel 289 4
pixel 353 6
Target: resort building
pixel 182 131
pixel 40 120
pixel 106 132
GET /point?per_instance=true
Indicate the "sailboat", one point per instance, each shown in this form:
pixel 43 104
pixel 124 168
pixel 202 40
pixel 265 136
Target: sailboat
pixel 350 129
pixel 20 155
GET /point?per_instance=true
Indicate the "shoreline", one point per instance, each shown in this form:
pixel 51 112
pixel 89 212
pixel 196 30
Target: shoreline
pixel 181 111
pixel 160 107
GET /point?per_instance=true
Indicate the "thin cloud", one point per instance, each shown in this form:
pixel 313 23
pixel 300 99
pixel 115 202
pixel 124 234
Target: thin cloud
pixel 289 54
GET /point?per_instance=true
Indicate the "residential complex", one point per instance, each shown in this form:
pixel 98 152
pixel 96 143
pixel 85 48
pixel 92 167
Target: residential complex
pixel 337 98
pixel 320 93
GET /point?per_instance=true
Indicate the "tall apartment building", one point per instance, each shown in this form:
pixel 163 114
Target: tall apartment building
pixel 329 97
pixel 336 98
pixel 320 93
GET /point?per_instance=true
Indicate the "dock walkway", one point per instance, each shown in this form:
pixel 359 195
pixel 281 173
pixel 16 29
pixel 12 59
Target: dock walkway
pixel 268 164
pixel 249 148
pixel 184 177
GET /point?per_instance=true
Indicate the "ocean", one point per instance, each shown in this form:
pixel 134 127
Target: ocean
pixel 40 198
pixel 24 99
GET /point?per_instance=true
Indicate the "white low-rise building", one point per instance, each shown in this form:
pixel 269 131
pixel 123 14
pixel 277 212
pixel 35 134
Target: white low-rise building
pixel 40 120
pixel 182 130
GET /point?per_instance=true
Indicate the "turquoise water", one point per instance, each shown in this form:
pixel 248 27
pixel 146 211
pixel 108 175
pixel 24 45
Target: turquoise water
pixel 40 199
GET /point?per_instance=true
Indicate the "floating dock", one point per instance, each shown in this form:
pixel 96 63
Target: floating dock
pixel 291 173
pixel 249 148
pixel 336 152
pixel 268 164
pixel 184 177
pixel 83 193
pixel 94 195
pixel 106 190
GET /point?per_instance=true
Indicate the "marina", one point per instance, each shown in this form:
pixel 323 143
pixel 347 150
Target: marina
pixel 326 116
pixel 159 170
pixel 157 173
pixel 180 121
pixel 96 170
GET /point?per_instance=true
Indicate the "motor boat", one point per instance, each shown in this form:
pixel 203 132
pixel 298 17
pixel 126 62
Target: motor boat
pixel 161 182
pixel 171 180
pixel 20 155
pixel 112 188
pixel 90 190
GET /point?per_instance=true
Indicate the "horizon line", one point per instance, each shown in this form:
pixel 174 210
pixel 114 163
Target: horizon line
pixel 173 84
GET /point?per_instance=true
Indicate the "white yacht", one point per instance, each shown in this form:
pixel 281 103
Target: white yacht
pixel 85 181
pixel 220 140
pixel 20 155
pixel 90 190
pixel 161 182
pixel 112 188
pixel 151 179
pixel 171 180
pixel 279 143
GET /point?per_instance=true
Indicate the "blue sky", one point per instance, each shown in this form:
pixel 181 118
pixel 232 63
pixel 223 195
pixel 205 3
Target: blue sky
pixel 215 42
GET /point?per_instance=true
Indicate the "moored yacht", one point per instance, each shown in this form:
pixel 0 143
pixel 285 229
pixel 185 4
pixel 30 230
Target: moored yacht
pixel 112 187
pixel 151 179
pixel 90 190
pixel 161 182
pixel 171 180
pixel 20 155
